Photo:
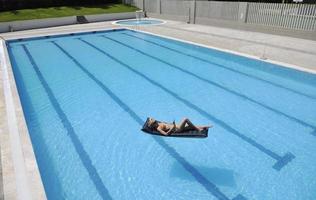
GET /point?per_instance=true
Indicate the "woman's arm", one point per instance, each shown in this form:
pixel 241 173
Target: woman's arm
pixel 172 129
pixel 159 129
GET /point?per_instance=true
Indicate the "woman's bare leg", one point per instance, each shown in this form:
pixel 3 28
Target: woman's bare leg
pixel 190 126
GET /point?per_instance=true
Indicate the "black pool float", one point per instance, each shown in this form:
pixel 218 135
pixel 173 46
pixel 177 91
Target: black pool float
pixel 189 134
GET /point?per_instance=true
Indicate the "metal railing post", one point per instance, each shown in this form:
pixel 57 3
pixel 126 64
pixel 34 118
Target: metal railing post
pixel 194 11
pixel 243 12
pixel 159 7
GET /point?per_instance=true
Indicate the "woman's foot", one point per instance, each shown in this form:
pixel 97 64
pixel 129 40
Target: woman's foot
pixel 201 128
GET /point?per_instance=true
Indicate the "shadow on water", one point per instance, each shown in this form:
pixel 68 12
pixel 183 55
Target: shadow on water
pixel 208 185
pixel 218 176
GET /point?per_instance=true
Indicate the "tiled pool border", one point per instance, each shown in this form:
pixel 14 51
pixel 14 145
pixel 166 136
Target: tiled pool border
pixel 280 64
pixel 23 168
pixel 26 171
pixel 120 27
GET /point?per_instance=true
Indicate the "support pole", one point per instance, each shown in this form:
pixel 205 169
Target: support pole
pixel 159 7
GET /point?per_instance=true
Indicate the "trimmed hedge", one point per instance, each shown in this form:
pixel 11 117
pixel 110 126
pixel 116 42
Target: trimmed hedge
pixel 271 1
pixel 7 5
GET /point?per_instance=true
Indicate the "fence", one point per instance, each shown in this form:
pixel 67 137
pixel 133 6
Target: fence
pixel 151 6
pixel 137 3
pixel 290 16
pixel 174 7
pixel 217 10
pixel 293 16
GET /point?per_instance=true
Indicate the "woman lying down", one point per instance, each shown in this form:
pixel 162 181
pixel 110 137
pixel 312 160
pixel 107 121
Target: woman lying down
pixel 169 128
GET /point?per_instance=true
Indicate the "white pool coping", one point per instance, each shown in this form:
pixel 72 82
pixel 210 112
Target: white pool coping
pixel 131 25
pixel 23 191
pixel 22 154
pixel 14 108
pixel 280 64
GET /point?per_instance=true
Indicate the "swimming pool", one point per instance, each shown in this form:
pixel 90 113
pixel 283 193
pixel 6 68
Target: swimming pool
pixel 86 96
pixel 139 22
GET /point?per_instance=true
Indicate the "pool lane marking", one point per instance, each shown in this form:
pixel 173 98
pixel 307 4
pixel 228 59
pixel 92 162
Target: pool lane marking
pixel 209 186
pixel 222 66
pixel 214 84
pixel 281 160
pixel 219 65
pixel 287 157
pixel 83 155
pixel 314 132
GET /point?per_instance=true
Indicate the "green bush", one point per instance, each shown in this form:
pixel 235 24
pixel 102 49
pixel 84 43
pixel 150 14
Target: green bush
pixel 6 5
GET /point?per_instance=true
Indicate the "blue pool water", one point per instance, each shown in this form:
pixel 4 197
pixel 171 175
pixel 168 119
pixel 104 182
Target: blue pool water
pixel 86 96
pixel 133 22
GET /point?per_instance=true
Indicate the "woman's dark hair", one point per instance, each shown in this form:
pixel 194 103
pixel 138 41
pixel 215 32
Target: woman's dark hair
pixel 152 124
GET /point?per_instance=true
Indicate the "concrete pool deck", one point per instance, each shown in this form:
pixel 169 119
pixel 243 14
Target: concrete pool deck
pixel 293 52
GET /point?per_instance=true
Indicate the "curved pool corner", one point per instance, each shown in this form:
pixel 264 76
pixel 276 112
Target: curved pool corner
pixel 141 22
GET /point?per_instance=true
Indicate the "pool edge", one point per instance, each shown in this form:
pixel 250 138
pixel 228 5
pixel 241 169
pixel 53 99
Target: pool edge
pixel 147 18
pixel 266 60
pixel 21 176
pixel 18 112
pixel 112 26
pixel 20 181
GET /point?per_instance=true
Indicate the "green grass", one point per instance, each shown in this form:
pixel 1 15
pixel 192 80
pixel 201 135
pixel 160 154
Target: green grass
pixel 40 13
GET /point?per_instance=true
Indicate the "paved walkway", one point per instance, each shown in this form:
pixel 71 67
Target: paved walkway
pixel 289 50
pixel 2 121
pixel 1 183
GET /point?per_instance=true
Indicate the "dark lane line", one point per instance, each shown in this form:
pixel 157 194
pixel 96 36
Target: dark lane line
pixel 281 160
pixel 39 143
pixel 209 186
pixel 215 84
pixel 83 155
pixel 227 68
